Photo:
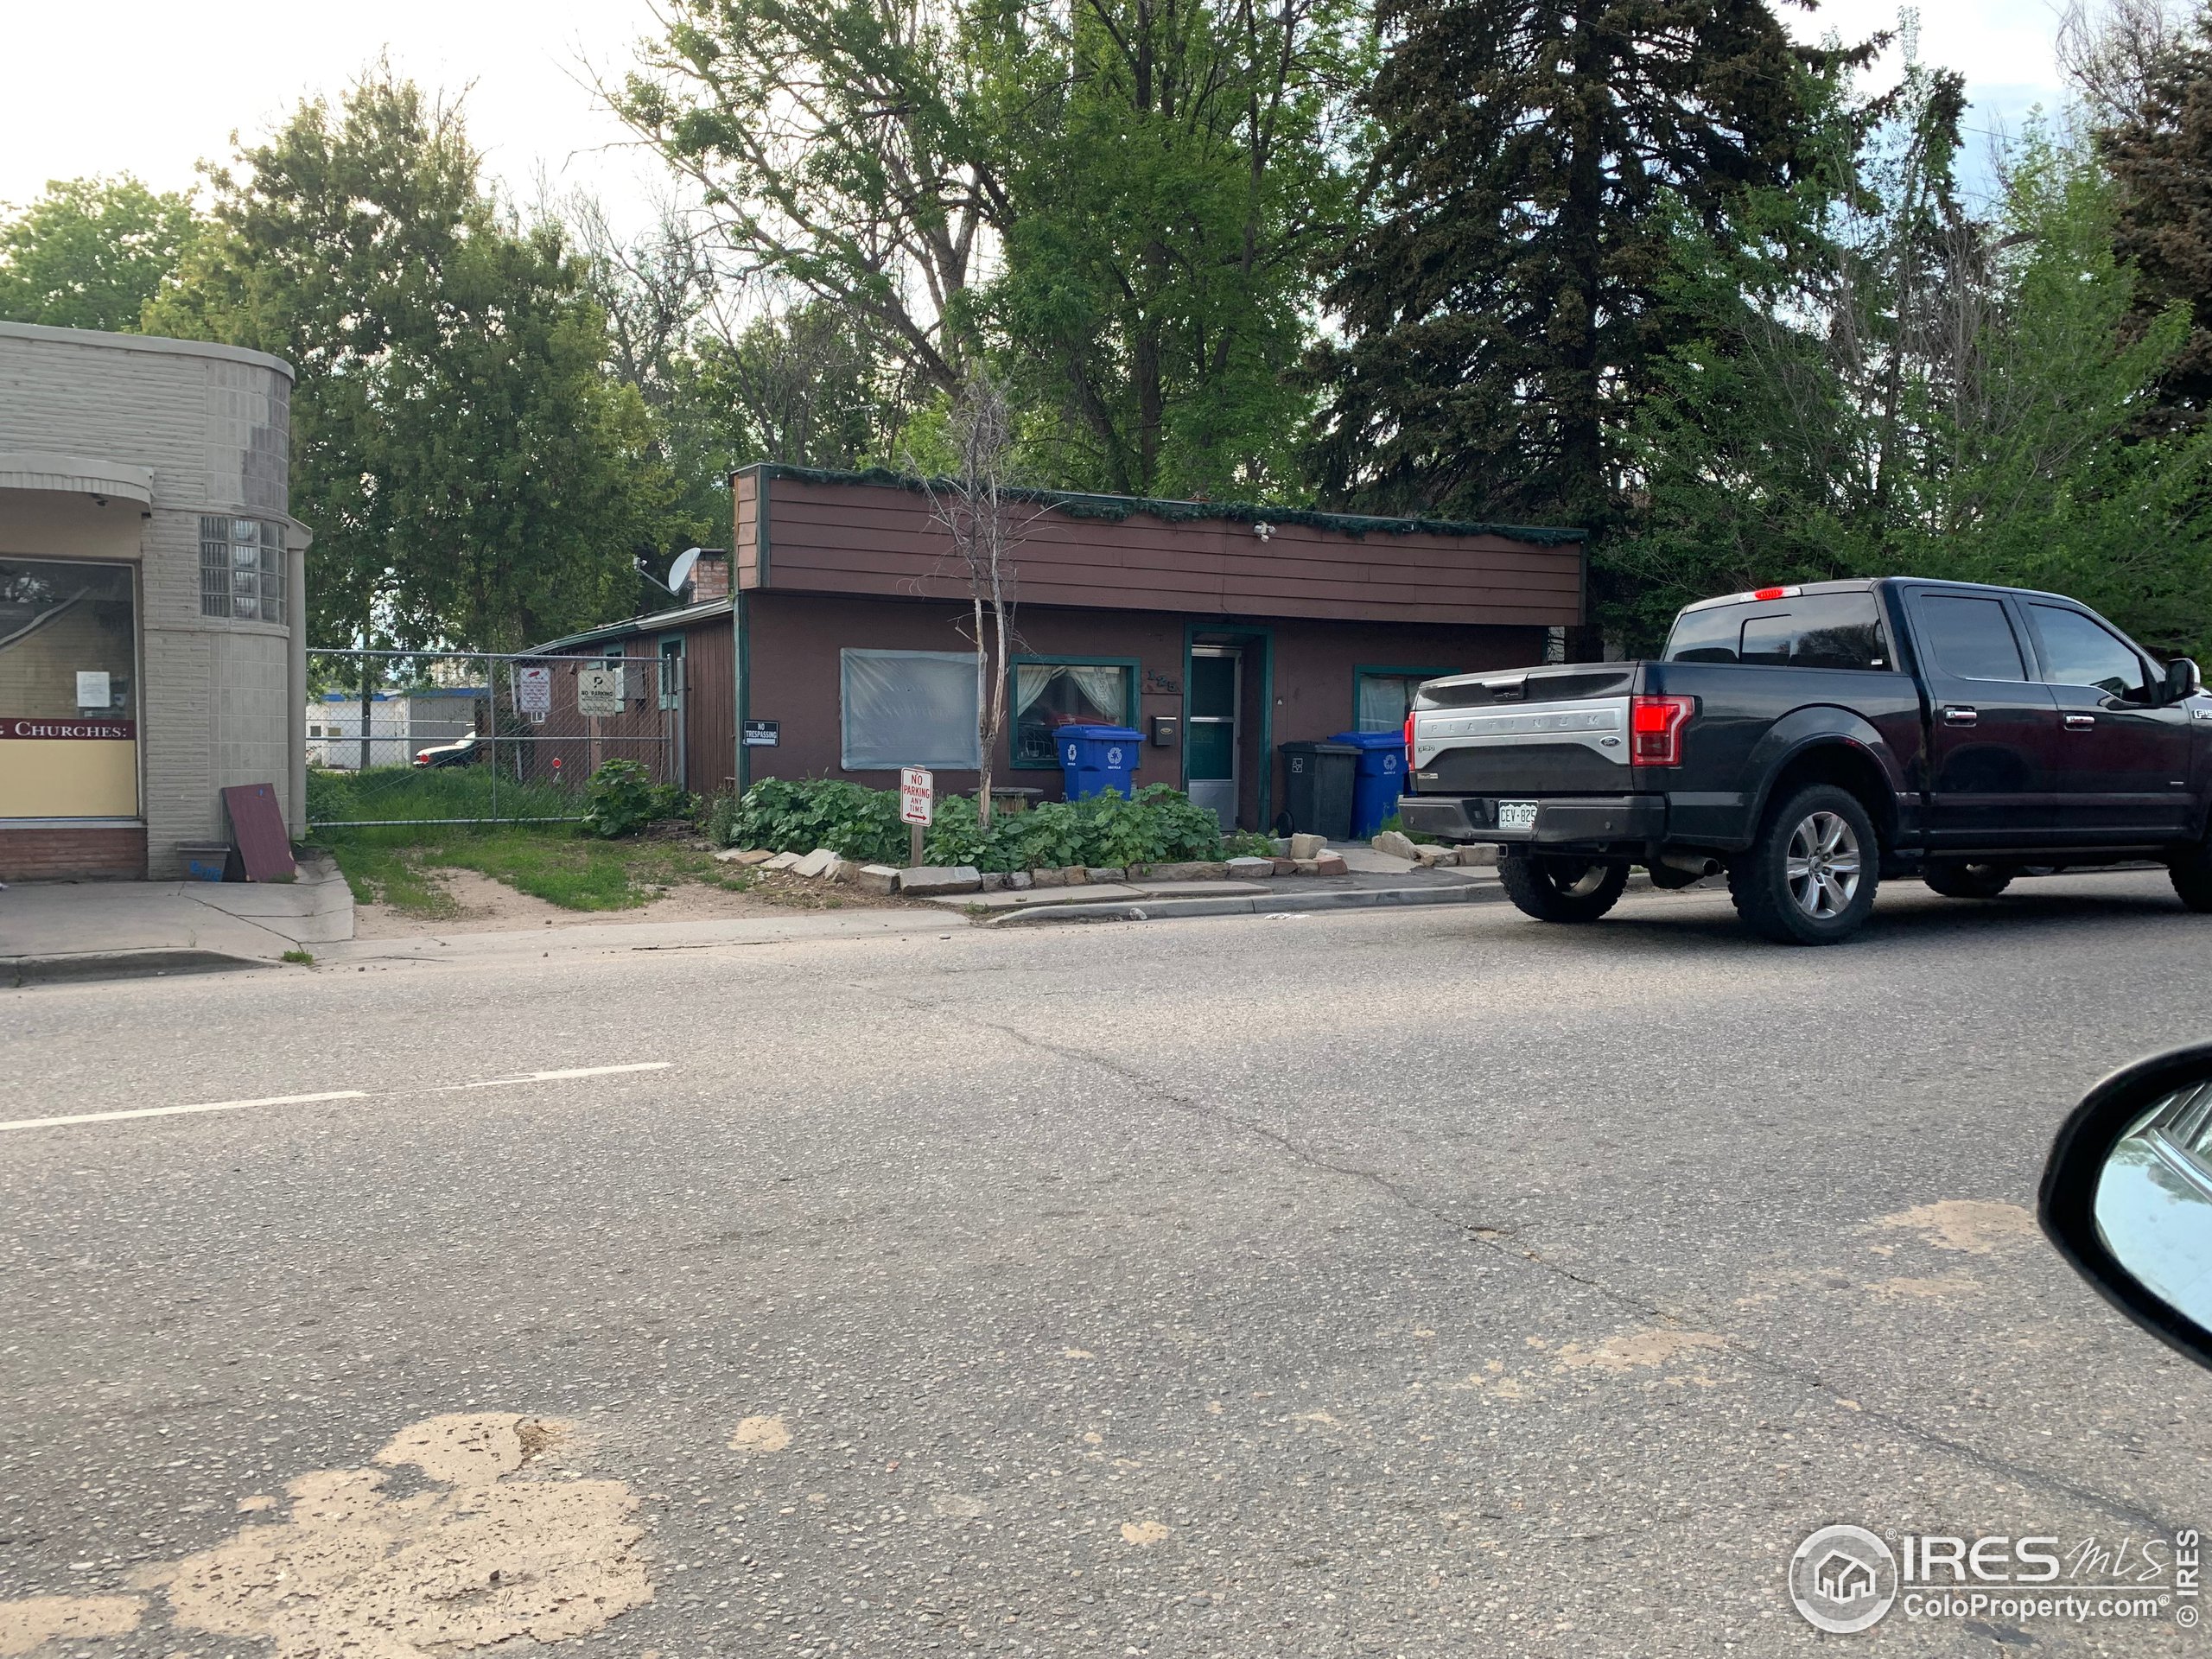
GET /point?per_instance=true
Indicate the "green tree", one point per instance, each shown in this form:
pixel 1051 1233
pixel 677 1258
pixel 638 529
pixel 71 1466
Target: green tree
pixel 1502 309
pixel 474 475
pixel 91 253
pixel 1119 202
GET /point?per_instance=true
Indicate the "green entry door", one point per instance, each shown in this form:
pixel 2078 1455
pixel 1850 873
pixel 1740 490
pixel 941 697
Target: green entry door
pixel 1210 730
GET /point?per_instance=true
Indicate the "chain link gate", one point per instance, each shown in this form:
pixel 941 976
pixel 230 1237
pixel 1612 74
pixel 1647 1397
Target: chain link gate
pixel 409 737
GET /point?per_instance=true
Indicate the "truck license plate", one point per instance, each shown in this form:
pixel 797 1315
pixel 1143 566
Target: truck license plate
pixel 1517 815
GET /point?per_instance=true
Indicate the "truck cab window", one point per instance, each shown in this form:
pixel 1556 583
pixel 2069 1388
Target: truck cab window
pixel 2077 651
pixel 1970 637
pixel 1809 630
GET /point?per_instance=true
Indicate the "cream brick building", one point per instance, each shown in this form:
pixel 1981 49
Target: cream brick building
pixel 152 644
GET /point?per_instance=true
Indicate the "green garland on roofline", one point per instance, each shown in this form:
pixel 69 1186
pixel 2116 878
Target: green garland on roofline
pixel 1117 507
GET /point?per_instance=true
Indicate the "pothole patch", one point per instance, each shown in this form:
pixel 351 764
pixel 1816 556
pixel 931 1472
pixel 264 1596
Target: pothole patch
pixel 479 1558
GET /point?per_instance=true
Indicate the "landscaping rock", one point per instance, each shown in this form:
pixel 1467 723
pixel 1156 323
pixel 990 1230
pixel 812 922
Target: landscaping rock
pixel 1054 877
pixel 1433 857
pixel 816 864
pixel 925 881
pixel 1247 869
pixel 1282 846
pixel 1285 866
pixel 993 881
pixel 1396 845
pixel 836 869
pixel 1135 872
pixel 1308 846
pixel 1305 866
pixel 1096 873
pixel 876 878
pixel 1018 880
pixel 1484 857
pixel 784 861
pixel 1330 864
pixel 1197 870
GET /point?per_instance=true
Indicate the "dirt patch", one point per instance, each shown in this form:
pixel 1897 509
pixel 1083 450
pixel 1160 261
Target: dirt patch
pixel 1949 1287
pixel 1974 1226
pixel 1143 1533
pixel 27 1625
pixel 489 907
pixel 1637 1351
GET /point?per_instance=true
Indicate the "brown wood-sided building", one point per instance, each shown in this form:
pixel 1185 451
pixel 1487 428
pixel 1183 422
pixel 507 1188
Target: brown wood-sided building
pixel 840 649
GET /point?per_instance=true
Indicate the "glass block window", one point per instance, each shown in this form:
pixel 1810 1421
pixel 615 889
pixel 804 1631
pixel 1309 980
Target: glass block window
pixel 242 570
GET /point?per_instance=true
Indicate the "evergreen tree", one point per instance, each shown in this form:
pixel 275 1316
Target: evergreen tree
pixel 2160 157
pixel 1500 311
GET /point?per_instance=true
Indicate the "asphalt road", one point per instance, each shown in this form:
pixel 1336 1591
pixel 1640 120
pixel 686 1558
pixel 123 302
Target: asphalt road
pixel 1427 1283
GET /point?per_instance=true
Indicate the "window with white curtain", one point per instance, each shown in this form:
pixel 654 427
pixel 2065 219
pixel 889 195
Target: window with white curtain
pixel 908 709
pixel 1048 696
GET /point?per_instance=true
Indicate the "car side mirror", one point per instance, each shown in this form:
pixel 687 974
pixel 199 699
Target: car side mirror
pixel 2128 1195
pixel 2182 679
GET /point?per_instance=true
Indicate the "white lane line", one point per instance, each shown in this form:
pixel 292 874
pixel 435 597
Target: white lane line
pixel 579 1071
pixel 179 1111
pixel 334 1094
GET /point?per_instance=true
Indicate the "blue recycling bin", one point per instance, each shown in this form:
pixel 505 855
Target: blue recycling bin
pixel 1094 758
pixel 1378 778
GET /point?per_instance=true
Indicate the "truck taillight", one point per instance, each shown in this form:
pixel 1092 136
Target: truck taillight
pixel 1409 739
pixel 1655 729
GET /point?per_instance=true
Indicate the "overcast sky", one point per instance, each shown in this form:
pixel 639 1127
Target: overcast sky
pixel 157 86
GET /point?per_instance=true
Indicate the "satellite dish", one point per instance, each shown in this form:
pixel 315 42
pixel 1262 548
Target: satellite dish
pixel 680 572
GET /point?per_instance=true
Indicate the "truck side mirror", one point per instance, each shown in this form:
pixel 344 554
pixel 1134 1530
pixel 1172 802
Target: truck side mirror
pixel 2182 679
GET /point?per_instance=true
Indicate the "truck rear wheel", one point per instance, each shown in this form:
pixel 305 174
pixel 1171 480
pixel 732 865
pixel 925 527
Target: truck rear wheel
pixel 1809 878
pixel 1969 880
pixel 2192 876
pixel 1554 888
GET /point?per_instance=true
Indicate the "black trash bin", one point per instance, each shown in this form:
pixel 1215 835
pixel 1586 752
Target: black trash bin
pixel 1317 788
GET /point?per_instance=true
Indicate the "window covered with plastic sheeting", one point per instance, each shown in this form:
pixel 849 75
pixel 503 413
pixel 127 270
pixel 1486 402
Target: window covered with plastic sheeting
pixel 907 709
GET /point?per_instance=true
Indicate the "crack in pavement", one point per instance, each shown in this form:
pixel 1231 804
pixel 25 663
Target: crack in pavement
pixel 1488 1238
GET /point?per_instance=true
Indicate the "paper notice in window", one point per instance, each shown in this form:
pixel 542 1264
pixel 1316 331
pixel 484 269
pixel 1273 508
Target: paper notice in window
pixel 92 688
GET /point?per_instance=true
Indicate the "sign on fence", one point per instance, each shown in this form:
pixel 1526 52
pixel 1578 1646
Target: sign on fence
pixel 917 794
pixel 534 691
pixel 599 690
pixel 762 733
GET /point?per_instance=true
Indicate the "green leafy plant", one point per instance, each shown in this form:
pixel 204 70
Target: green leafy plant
pixel 622 798
pixel 1247 843
pixel 797 814
pixel 722 821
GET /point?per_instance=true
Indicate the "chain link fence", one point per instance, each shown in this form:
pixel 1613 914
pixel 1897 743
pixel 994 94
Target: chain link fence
pixel 473 737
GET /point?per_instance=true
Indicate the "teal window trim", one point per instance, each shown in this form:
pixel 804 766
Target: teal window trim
pixel 1248 634
pixel 667 698
pixel 1389 670
pixel 1133 666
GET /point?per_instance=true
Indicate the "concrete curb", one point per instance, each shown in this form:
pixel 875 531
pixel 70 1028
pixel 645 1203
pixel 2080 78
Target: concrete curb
pixel 119 964
pixel 1269 904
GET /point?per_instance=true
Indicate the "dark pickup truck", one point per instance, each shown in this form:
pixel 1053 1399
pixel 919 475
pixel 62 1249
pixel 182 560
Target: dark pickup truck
pixel 1810 740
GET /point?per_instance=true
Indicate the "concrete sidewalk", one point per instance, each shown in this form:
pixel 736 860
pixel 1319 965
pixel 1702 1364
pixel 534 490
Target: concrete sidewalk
pixel 107 930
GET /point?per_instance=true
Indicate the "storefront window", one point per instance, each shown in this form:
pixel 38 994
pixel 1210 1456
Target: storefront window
pixel 242 569
pixel 68 691
pixel 908 709
pixel 1048 696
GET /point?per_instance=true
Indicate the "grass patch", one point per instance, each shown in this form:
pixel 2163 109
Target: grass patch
pixel 398 865
pixel 437 793
pixel 303 958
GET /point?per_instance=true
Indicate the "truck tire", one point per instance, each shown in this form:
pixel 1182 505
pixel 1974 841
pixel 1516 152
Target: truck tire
pixel 2192 877
pixel 1555 889
pixel 1969 880
pixel 1809 878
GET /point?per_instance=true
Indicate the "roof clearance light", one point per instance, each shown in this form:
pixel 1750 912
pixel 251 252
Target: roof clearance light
pixel 1655 729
